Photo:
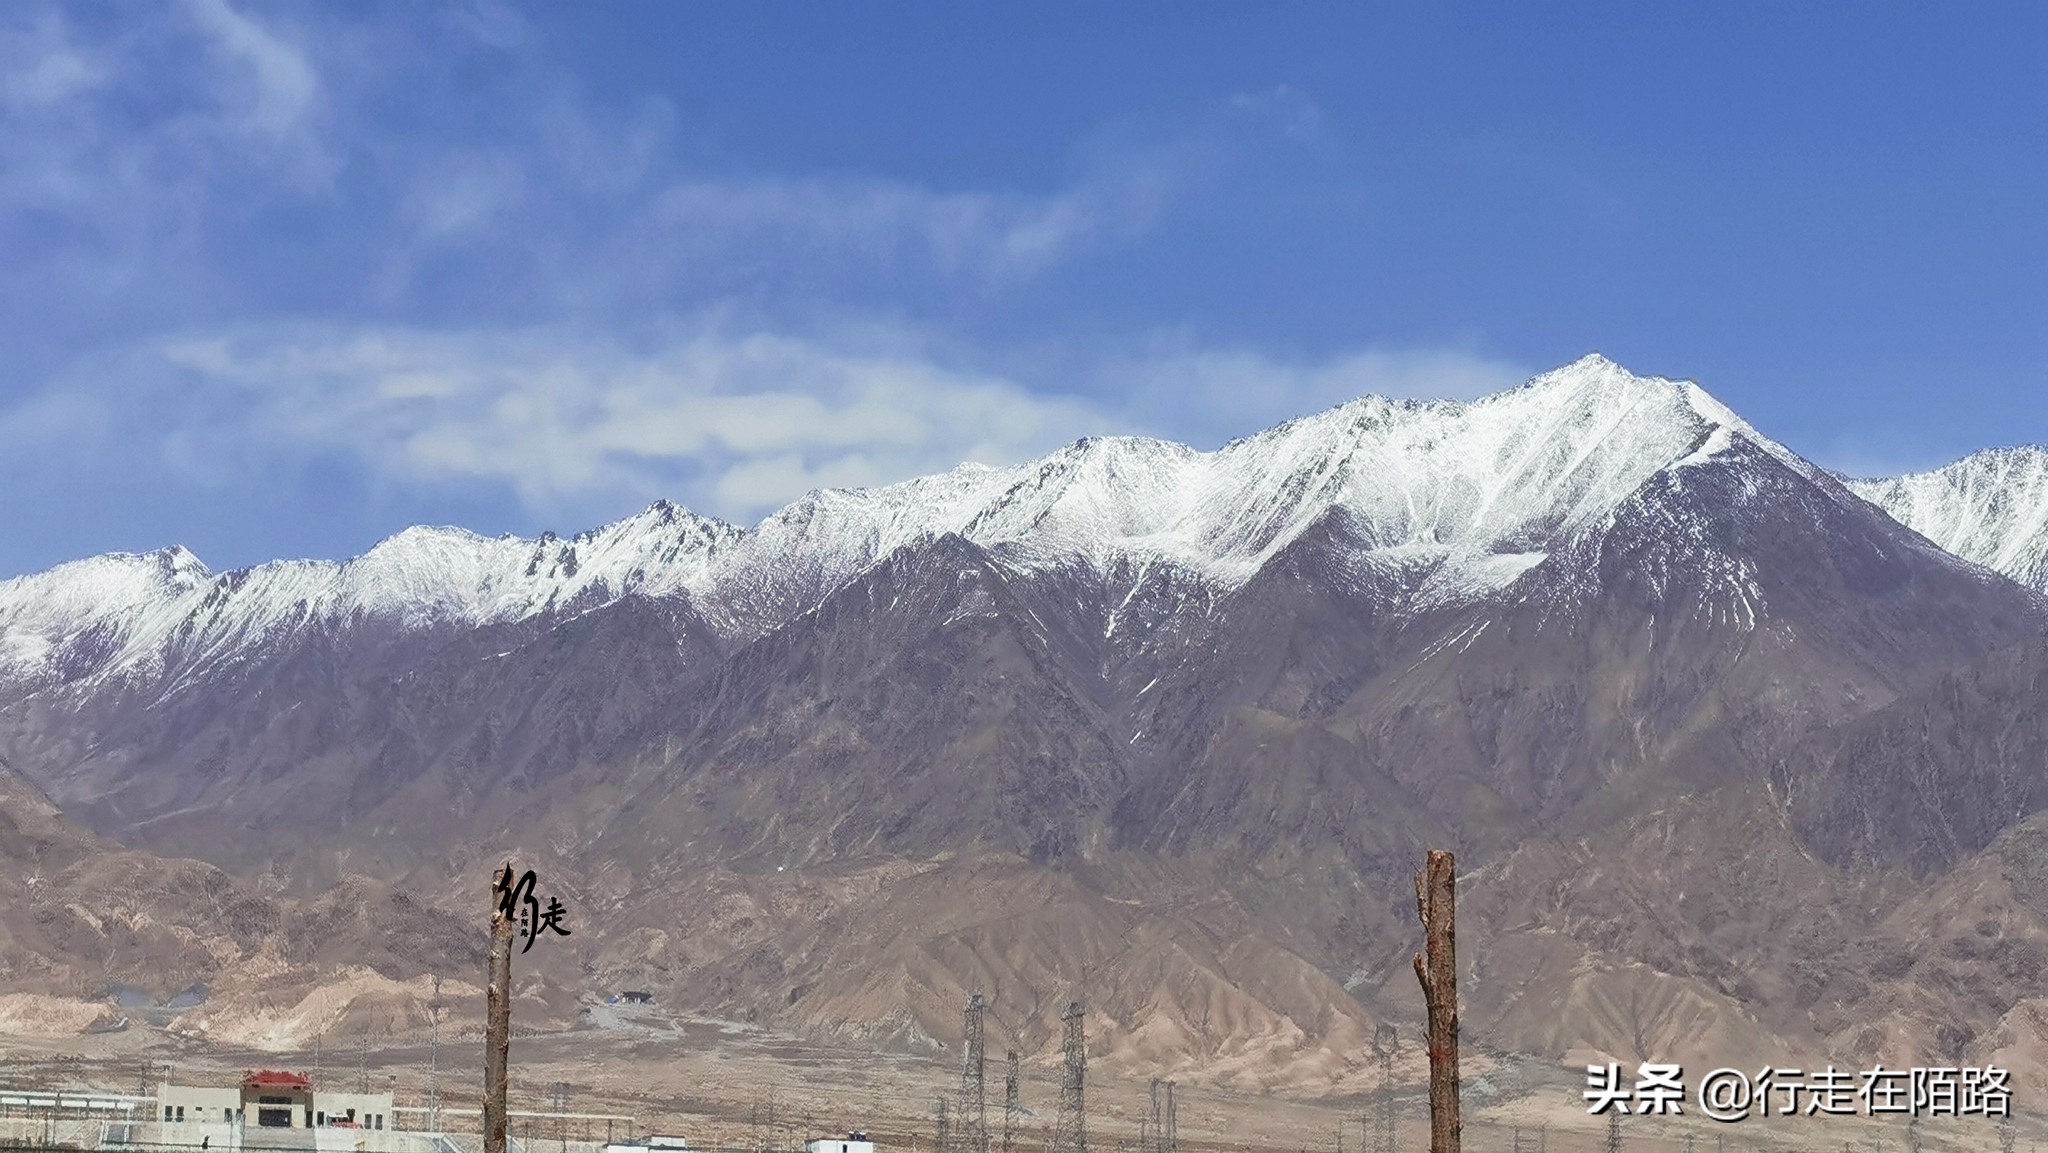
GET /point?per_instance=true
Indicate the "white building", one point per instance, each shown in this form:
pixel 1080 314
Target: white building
pixel 652 1144
pixel 227 1117
pixel 854 1142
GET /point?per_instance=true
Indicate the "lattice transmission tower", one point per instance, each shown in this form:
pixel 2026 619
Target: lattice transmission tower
pixel 1385 1041
pixel 1013 1105
pixel 972 1136
pixel 1070 1130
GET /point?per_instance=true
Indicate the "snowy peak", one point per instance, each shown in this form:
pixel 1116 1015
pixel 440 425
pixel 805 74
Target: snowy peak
pixel 1476 493
pixel 1557 452
pixel 1504 473
pixel 153 610
pixel 451 573
pixel 1990 507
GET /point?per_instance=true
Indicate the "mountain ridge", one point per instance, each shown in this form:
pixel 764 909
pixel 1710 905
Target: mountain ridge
pixel 1532 626
pixel 1166 503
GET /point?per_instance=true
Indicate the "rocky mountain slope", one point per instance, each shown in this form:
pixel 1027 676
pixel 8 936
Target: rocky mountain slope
pixel 1165 726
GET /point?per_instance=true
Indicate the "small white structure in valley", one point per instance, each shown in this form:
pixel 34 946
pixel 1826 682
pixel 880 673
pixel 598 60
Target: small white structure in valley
pixel 653 1144
pixel 854 1142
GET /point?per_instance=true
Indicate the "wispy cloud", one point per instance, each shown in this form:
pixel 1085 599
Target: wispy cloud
pixel 276 84
pixel 1296 112
pixel 983 234
pixel 735 421
pixel 1208 393
pixel 44 66
pixel 743 421
pixel 125 140
pixel 139 151
pixel 217 214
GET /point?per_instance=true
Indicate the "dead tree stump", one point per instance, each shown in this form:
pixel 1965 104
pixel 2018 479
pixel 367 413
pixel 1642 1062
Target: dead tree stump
pixel 1437 969
pixel 498 1017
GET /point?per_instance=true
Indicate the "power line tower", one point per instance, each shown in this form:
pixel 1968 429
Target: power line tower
pixel 1613 1131
pixel 434 1059
pixel 558 1093
pixel 1173 1124
pixel 973 1136
pixel 1385 1041
pixel 363 1062
pixel 1013 1084
pixel 1155 1126
pixel 1070 1131
pixel 943 1141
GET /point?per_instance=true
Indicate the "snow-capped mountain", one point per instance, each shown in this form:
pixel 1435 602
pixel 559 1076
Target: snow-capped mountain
pixel 148 612
pixel 1990 507
pixel 1367 558
pixel 1473 493
pixel 1506 475
pixel 1598 610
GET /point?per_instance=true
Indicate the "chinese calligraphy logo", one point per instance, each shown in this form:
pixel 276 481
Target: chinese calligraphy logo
pixel 516 900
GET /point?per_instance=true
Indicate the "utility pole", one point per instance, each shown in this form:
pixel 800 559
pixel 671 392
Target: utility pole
pixel 1070 1131
pixel 434 1059
pixel 1436 968
pixel 498 1018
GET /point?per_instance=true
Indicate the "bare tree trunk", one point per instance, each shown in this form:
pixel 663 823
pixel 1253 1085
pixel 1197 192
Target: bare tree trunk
pixel 1436 903
pixel 498 1024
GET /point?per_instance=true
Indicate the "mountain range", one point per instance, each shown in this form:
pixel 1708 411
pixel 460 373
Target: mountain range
pixel 1742 759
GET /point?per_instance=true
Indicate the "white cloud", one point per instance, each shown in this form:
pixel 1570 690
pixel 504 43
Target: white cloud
pixel 747 421
pixel 281 83
pixel 463 192
pixel 1200 391
pixel 125 138
pixel 156 142
pixel 41 66
pixel 894 223
pixel 734 422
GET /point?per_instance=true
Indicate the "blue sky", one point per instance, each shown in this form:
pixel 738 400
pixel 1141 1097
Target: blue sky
pixel 282 280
